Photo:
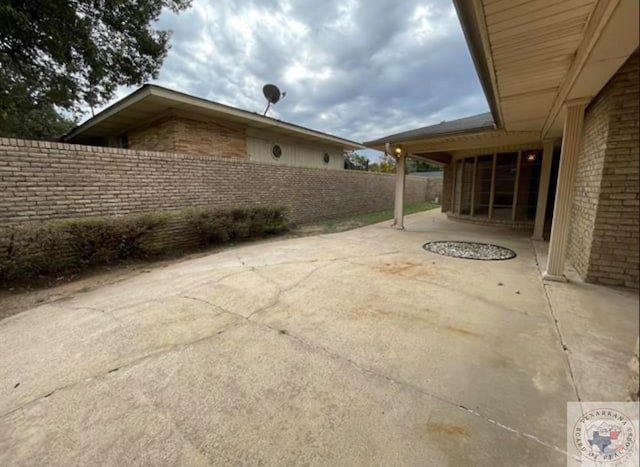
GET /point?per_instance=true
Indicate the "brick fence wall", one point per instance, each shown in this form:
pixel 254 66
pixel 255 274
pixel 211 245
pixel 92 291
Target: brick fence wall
pixel 42 180
pixel 604 236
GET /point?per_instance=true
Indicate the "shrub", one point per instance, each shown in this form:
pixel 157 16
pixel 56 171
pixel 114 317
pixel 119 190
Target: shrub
pixel 32 250
pixel 102 240
pixel 215 225
pixel 52 247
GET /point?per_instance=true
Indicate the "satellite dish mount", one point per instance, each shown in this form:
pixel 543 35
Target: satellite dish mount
pixel 272 94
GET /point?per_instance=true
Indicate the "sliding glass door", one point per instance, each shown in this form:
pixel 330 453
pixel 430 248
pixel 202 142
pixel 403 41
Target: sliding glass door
pixel 482 188
pixel 501 186
pixel 504 184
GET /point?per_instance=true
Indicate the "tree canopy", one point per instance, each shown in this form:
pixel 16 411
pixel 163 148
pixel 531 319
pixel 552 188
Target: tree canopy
pixel 63 54
pixel 355 161
pixel 385 164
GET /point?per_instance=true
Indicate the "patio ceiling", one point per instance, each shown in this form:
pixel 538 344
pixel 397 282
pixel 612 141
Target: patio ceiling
pixel 533 56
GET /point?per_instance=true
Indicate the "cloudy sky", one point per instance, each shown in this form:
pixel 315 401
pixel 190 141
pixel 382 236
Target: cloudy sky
pixel 360 69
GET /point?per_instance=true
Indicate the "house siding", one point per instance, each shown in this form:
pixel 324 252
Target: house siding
pixel 604 233
pixel 293 153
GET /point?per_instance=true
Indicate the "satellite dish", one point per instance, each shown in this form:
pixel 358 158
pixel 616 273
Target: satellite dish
pixel 272 94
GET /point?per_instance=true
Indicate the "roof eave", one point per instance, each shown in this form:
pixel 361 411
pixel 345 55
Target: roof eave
pixel 151 89
pixel 471 28
pixel 399 139
pixel 114 108
pixel 251 116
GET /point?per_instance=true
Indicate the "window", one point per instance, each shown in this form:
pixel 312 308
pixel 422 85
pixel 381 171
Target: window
pixel 482 186
pixel 122 141
pixel 276 151
pixel 326 157
pixel 502 186
pixel 466 181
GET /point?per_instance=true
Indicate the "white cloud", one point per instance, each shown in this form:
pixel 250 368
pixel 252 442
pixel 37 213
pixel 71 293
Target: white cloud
pixel 360 69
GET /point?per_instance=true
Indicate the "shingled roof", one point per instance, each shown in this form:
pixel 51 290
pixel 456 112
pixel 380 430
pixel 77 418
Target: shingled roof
pixel 472 124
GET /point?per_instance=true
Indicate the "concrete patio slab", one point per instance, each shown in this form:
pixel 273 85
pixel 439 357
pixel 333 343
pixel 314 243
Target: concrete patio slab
pixel 356 348
pixel 598 326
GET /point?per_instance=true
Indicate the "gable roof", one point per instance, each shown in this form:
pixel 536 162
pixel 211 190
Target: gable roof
pixel 150 101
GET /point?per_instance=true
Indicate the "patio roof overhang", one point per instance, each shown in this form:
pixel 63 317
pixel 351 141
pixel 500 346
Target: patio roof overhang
pixel 150 102
pixel 532 58
pixel 441 143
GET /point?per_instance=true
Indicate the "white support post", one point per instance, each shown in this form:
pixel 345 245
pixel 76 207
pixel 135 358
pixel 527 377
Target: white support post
pixel 398 211
pixel 543 190
pixel 571 139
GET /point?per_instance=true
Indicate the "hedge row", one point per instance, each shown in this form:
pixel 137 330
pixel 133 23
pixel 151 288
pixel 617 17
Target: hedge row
pixel 44 249
pixel 222 225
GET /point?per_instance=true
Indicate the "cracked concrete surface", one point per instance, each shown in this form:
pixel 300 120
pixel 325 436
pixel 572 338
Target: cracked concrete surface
pixel 357 348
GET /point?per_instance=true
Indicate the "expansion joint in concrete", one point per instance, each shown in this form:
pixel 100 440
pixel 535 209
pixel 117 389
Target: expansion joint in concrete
pixel 377 374
pixel 565 349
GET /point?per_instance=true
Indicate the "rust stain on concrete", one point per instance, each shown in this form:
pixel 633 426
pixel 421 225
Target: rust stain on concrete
pixel 461 331
pixel 447 429
pixel 396 267
pixel 406 269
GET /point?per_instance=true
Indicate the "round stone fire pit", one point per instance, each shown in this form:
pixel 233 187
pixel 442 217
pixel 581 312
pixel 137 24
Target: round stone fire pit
pixel 470 250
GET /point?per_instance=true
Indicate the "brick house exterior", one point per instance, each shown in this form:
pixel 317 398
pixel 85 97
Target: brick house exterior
pixel 604 235
pixel 154 118
pixel 179 134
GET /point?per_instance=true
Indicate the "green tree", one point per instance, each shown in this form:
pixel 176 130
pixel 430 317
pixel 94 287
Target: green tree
pixel 385 164
pixel 421 166
pixel 57 55
pixel 355 161
pixel 22 117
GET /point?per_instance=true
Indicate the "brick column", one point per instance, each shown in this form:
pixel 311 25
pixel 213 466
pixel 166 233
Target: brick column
pixel 398 212
pixel 543 190
pixel 571 140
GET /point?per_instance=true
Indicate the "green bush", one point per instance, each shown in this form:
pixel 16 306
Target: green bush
pixel 103 240
pixel 215 225
pixel 53 247
pixel 32 250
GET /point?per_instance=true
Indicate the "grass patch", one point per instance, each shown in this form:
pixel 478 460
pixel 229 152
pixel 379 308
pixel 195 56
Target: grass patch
pixel 360 220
